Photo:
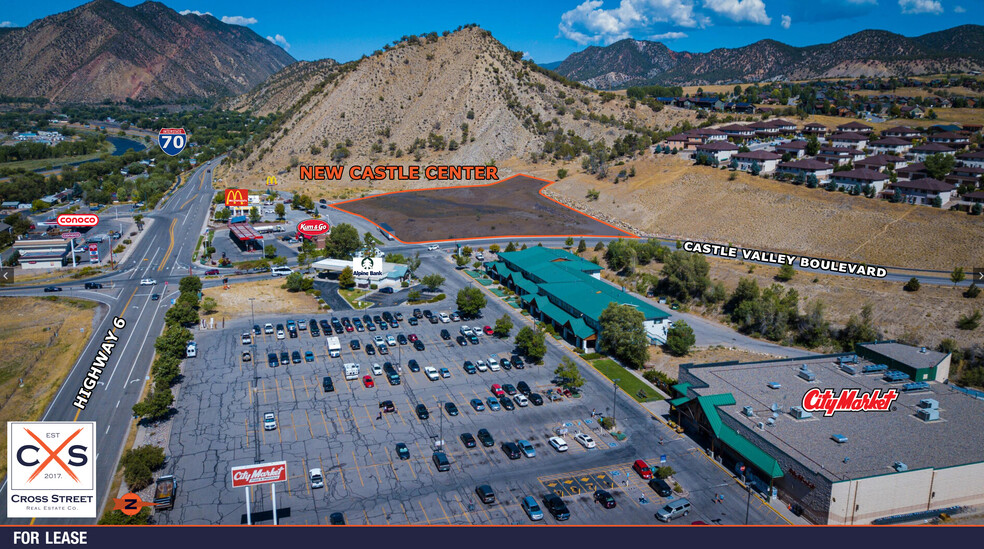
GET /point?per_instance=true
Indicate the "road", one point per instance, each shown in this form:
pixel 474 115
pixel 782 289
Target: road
pixel 163 253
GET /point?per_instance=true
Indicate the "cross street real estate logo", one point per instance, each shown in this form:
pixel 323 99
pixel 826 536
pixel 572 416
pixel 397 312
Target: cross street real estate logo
pixel 51 469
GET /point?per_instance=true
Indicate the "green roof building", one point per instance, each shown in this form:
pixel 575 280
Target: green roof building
pixel 563 289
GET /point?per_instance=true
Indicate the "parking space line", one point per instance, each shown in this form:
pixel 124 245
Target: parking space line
pixel 357 470
pixel 392 466
pixel 340 425
pixel 324 422
pixel 365 514
pixel 372 421
pixel 293 425
pixel 426 518
pixel 247 432
pixel 263 383
pixel 464 511
pixel 277 386
pixel 308 418
pixel 249 394
pixel 280 437
pixel 341 471
pixel 446 517
pixel 386 417
pixel 304 467
pixel 405 513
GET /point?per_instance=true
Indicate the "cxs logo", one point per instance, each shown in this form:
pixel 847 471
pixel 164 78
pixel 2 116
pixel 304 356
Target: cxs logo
pixel 51 455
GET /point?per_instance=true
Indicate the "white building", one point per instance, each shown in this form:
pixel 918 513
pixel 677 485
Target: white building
pixel 766 161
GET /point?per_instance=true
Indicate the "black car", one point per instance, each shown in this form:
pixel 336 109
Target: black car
pixel 325 325
pixel 412 364
pixel 427 313
pixel 523 388
pixel 272 360
pixel 417 314
pixel 445 335
pixel 284 358
pixel 605 499
pixel 387 406
pixel 93 286
pixel 296 357
pixel 661 487
pixel 401 339
pixel 52 289
pixel 507 403
pixel 450 408
pixel 256 329
pixel 473 339
pixel 370 326
pixel 556 506
pixel 370 350
pixel 536 399
pixel 315 332
pixel 433 319
pixel 292 333
pixel 422 412
pixel 155 297
pixel 468 440
pixel 387 316
pixel 419 345
pixel 354 345
pixel 461 341
pixel 327 384
pixel 358 325
pixel 402 451
pixel 337 326
pixel 506 365
pixel 470 368
pixel 511 450
pixel 486 437
pixel 509 389
pixel 412 321
pixel 337 518
pixel 367 319
pixel 517 362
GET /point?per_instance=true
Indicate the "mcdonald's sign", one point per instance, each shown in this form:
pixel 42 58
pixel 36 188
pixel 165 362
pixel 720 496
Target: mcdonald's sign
pixel 271 180
pixel 236 198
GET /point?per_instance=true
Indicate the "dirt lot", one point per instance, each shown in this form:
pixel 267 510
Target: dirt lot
pixel 39 342
pixel 513 207
pixel 268 298
pixel 670 365
pixel 671 197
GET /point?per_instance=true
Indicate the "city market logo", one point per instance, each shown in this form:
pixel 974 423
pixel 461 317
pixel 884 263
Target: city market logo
pixel 849 400
pixel 236 198
pixel 365 267
pixel 312 227
pixel 263 473
pixel 51 469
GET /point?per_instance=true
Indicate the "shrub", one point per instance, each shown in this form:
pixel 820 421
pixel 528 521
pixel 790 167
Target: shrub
pixel 972 292
pixel 970 321
pixel 912 285
pixel 664 472
pixel 608 423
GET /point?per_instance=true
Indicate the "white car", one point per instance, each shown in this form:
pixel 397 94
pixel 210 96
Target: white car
pixel 247 338
pixel 302 324
pixel 431 373
pixel 148 282
pixel 317 481
pixel 377 370
pixel 269 421
pixel 391 341
pixel 280 334
pixel 378 340
pixel 585 440
pixel 494 363
pixel 482 367
pixel 433 247
pixel 521 400
pixel 443 317
pixel 268 328
pixel 558 444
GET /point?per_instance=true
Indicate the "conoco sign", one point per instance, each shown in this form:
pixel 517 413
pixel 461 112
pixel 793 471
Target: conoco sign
pixel 261 473
pixel 312 227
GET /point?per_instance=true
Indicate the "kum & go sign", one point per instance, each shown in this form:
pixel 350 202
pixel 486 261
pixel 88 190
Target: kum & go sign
pixel 261 473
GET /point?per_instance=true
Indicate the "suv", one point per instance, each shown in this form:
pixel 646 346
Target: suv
pixel 556 506
pixel 674 509
pixel 93 286
pixel 485 493
pixel 511 450
pixel 468 440
pixel 661 487
pixel 485 437
pixel 327 384
pixel 445 335
pixel 441 461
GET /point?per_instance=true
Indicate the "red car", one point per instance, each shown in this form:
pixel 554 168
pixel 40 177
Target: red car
pixel 368 382
pixel 348 328
pixel 488 330
pixel 497 390
pixel 212 272
pixel 643 469
pixel 412 337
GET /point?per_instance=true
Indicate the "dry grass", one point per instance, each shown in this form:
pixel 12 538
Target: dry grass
pixel 670 197
pixel 268 298
pixel 901 92
pixel 670 365
pixel 713 88
pixel 40 340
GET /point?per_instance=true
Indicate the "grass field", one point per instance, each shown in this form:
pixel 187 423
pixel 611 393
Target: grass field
pixel 268 298
pixel 353 295
pixel 56 162
pixel 40 340
pixel 626 380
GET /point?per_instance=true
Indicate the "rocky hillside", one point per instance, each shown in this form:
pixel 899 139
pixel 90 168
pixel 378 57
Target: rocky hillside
pixel 462 98
pixel 283 89
pixel 871 52
pixel 104 50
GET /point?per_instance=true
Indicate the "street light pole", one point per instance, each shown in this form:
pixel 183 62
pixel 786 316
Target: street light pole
pixel 748 488
pixel 614 394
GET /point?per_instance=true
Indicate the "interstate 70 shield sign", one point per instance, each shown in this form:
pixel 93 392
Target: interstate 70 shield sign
pixel 172 140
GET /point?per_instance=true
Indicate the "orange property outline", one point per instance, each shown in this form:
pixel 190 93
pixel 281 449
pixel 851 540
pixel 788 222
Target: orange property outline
pixel 540 192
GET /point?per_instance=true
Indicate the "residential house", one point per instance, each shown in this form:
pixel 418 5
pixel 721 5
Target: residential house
pixel 855 127
pixel 784 126
pixel 764 129
pixel 796 148
pixel 882 162
pixel 738 131
pixel 721 151
pixel 971 158
pixel 681 142
pixel 965 175
pixel 858 178
pixel 912 111
pixel 840 155
pixel 848 139
pixel 807 167
pixel 903 132
pixel 766 160
pixel 924 191
pixel 976 196
pixel 912 172
pixel 951 139
pixel 707 135
pixel 740 107
pixel 5 228
pixel 891 145
pixel 815 128
pixel 920 152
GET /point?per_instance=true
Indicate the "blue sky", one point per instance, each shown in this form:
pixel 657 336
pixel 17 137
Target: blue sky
pixel 551 30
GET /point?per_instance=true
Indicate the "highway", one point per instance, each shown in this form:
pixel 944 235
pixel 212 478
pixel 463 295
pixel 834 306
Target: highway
pixel 163 253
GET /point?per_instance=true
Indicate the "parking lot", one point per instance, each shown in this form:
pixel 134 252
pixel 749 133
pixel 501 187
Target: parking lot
pixel 223 399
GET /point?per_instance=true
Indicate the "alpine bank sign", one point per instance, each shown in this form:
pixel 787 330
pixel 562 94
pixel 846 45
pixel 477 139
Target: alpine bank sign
pixel 260 473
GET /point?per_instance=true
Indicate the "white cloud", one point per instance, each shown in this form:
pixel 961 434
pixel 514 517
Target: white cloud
pixel 590 22
pixel 196 12
pixel 280 41
pixel 959 9
pixel 752 11
pixel 5 24
pixel 786 21
pixel 238 20
pixel 921 6
pixel 668 36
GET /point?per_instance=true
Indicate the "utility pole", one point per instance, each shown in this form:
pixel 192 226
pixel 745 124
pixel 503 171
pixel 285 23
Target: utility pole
pixel 614 394
pixel 748 488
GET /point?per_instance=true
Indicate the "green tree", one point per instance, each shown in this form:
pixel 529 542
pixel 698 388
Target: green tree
pixel 581 247
pixel 973 291
pixel 620 256
pixel 569 374
pixel 466 251
pixel 368 245
pixel 156 406
pixel 343 241
pixel 346 279
pixel 812 145
pixel 138 219
pixel 270 251
pixel 969 321
pixel 680 338
pixel 413 264
pixel 470 301
pixel 813 329
pixel 413 295
pixel 532 343
pixel 599 246
pixel 116 517
pixel 181 315
pixel 685 275
pixel 957 276
pixel 623 335
pixel 280 210
pixel 460 260
pixel 209 305
pixel 510 247
pixel 786 273
pixel 569 242
pixel 432 281
pixel 39 205
pixel 912 285
pixel 939 165
pixel 296 282
pixel 254 214
pixel 190 284
pixel 494 248
pixel 503 326
pixel 561 173
pixel 172 342
pixel 859 329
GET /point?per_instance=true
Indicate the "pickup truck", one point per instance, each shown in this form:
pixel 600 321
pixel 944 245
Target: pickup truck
pixel 164 492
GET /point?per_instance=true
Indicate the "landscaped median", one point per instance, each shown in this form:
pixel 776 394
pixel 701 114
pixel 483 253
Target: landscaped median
pixel 353 296
pixel 627 381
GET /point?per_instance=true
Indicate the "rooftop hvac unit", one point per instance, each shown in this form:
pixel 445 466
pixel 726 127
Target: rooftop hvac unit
pixel 774 385
pixel 900 467
pixel 761 426
pixel 928 414
pixel 805 373
pixel 929 403
pixel 774 407
pixel 849 369
pixel 771 421
pixel 748 411
pixel 799 413
pixel 873 368
pixel 852 359
pixel 915 386
pixel 895 375
pixel 839 439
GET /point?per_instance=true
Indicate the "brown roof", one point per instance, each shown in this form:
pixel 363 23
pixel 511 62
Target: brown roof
pixel 931 147
pixel 782 122
pixel 900 129
pixel 758 155
pixel 968 169
pixel 793 145
pixel 891 141
pixel 948 135
pixel 736 128
pixel 864 174
pixel 815 125
pixel 806 164
pixel 913 168
pixel 718 146
pixel 975 194
pixel 924 184
pixel 854 126
pixel 972 155
pixel 847 136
